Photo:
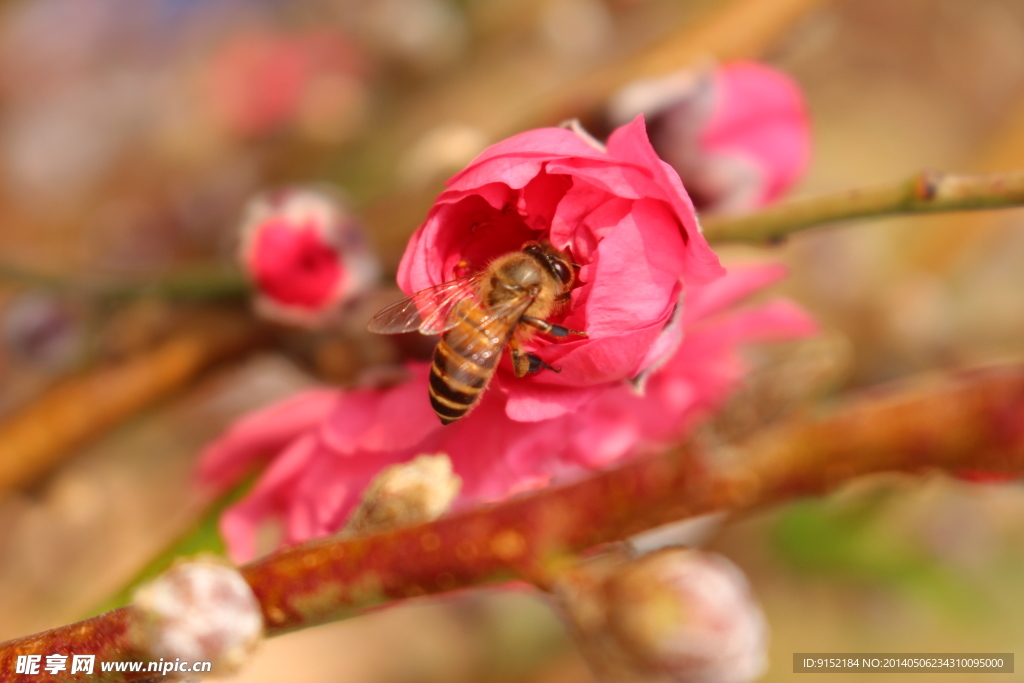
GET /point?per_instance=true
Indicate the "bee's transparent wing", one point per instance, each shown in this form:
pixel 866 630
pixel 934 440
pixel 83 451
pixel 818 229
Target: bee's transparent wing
pixel 428 310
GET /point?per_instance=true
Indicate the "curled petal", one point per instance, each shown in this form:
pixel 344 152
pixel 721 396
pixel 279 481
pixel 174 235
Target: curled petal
pixel 631 144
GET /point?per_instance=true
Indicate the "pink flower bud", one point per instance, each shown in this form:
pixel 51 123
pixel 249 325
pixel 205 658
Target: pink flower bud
pixel 738 135
pixel 199 611
pixel 305 255
pixel 687 614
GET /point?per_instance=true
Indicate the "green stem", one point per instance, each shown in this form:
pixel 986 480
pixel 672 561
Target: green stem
pixel 927 192
pixel 24 277
pixel 208 284
pixel 192 285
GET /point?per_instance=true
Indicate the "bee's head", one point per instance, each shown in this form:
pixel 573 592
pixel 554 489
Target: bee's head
pixel 554 261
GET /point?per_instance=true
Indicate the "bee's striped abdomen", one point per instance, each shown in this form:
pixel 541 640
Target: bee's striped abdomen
pixel 464 362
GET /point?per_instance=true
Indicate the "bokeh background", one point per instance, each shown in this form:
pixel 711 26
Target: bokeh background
pixel 133 132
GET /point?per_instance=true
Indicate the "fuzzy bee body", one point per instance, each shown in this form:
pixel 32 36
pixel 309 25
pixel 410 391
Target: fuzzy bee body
pixel 478 316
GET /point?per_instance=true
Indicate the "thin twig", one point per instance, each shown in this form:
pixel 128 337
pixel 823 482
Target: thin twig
pixel 927 192
pixel 26 277
pixel 210 284
pixel 967 240
pixel 972 422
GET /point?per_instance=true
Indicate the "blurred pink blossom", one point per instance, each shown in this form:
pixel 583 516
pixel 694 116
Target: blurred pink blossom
pixel 323 447
pixel 305 255
pixel 261 81
pixel 738 135
pixel 621 213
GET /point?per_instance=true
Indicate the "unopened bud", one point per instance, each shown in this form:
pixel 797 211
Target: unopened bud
pixel 200 610
pixel 738 134
pixel 306 256
pixel 406 494
pixel 674 615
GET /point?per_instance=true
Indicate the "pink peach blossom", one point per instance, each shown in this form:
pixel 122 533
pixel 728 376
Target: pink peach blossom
pixel 739 135
pixel 621 213
pixel 305 255
pixel 325 446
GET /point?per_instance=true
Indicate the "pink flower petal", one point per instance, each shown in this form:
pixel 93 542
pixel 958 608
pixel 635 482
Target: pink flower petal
pixel 530 402
pixel 630 143
pixel 261 435
pixel 295 266
pixel 384 419
pixel 543 143
pixel 760 115
pixel 270 497
pixel 719 295
pixel 775 320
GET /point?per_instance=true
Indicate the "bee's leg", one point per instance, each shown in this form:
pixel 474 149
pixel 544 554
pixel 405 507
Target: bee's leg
pixel 527 363
pixel 553 330
pixel 520 362
pixel 536 363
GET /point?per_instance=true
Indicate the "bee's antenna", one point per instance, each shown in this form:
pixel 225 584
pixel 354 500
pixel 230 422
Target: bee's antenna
pixel 575 265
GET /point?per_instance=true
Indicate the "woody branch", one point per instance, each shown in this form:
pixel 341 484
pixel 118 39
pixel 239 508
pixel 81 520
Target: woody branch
pixel 926 192
pixel 969 422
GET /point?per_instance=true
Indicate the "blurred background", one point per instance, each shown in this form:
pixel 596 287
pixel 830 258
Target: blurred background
pixel 133 133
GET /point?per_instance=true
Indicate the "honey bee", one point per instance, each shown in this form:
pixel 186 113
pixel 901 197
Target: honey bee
pixel 478 316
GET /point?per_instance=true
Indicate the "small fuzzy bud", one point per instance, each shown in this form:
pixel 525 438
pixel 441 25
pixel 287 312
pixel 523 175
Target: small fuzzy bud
pixel 306 256
pixel 406 494
pixel 674 615
pixel 201 610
